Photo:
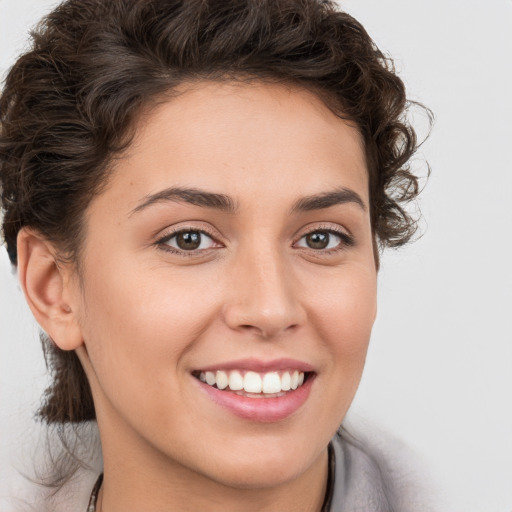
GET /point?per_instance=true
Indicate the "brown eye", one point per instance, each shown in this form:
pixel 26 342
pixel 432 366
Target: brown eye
pixel 189 240
pixel 318 240
pixel 325 240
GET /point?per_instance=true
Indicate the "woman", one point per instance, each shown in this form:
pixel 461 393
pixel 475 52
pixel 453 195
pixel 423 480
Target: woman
pixel 195 194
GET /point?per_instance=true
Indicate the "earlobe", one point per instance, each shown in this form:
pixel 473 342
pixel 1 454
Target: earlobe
pixel 46 286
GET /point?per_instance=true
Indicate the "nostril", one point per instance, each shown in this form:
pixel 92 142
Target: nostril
pixel 264 320
pixel 267 331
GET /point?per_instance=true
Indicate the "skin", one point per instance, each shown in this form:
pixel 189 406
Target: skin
pixel 143 318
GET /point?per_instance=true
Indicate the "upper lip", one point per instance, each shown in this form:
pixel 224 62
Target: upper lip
pixel 260 366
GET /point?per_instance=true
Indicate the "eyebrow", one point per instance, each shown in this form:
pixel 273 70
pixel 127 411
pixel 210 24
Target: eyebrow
pixel 328 199
pixel 193 196
pixel 226 204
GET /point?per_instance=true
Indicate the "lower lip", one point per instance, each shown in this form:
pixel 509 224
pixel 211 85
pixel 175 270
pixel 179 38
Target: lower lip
pixel 260 409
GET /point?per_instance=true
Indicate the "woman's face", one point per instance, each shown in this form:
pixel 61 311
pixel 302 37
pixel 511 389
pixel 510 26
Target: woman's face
pixel 233 245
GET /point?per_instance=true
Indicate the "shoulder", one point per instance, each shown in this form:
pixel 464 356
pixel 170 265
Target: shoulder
pixel 374 477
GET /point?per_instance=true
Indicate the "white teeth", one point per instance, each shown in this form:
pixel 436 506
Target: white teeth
pixel 236 381
pixel 271 383
pixel 222 380
pixel 286 381
pixel 256 384
pixel 252 382
pixel 294 381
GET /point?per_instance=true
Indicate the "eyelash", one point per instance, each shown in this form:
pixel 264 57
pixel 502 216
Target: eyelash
pixel 346 241
pixel 162 242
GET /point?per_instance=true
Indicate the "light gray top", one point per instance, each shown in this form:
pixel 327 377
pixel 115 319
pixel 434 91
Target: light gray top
pixel 358 483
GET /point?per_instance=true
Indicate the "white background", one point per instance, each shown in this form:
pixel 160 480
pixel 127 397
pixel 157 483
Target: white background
pixel 439 370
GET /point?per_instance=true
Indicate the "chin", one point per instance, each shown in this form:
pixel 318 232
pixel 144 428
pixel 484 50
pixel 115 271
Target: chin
pixel 264 466
pixel 259 476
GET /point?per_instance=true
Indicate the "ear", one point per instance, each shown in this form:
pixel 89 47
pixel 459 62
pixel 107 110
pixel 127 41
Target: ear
pixel 49 289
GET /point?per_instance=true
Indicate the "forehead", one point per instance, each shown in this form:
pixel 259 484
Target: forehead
pixel 234 137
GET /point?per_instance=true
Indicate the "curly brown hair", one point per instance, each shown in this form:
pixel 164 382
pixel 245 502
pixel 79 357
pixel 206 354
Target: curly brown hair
pixel 69 106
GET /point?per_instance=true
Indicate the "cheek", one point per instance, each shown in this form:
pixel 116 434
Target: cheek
pixel 138 332
pixel 345 313
pixel 135 320
pixel 342 314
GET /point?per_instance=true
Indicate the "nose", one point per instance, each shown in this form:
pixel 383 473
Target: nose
pixel 263 299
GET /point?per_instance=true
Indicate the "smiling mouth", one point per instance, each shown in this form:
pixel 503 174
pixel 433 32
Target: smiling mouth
pixel 253 384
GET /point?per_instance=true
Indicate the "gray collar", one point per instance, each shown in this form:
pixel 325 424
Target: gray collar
pixel 359 484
